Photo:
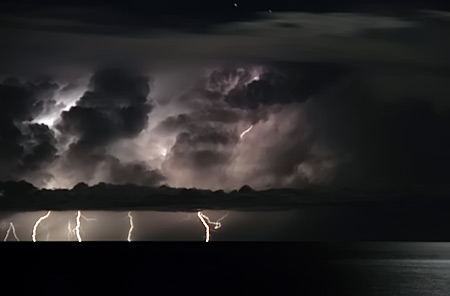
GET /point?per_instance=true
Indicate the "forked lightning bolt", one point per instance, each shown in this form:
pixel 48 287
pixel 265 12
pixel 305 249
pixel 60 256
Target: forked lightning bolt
pixel 200 216
pixel 217 223
pixel 11 227
pixel 37 224
pixel 206 221
pixel 246 131
pixel 131 226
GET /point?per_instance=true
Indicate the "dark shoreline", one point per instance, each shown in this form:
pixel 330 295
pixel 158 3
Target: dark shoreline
pixel 23 196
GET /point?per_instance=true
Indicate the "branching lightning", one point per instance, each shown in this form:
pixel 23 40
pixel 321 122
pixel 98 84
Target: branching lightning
pixel 11 227
pixel 246 131
pixel 206 221
pixel 131 226
pixel 217 223
pixel 88 219
pixel 200 216
pixel 37 224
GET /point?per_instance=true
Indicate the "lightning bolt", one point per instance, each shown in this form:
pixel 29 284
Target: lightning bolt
pixel 200 216
pixel 216 224
pixel 246 131
pixel 37 224
pixel 206 221
pixel 11 227
pixel 131 226
pixel 77 228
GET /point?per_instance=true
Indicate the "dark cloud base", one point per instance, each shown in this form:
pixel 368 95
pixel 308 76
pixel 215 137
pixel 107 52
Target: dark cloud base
pixel 23 196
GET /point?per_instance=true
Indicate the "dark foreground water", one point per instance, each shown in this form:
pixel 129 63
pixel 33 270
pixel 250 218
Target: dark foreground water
pixel 158 268
pixel 397 277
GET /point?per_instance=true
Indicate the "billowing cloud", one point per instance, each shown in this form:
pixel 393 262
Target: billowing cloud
pixel 284 85
pixel 311 123
pixel 26 147
pixel 115 107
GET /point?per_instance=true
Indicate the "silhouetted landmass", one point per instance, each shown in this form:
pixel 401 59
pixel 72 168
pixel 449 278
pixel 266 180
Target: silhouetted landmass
pixel 246 188
pixel 23 196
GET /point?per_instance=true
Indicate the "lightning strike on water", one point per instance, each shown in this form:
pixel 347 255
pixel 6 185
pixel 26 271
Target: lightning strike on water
pixel 200 216
pixel 206 221
pixel 246 131
pixel 37 224
pixel 11 227
pixel 131 226
pixel 77 228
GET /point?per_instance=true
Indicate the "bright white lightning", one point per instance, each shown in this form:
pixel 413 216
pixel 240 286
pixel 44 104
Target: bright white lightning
pixel 77 228
pixel 11 227
pixel 217 223
pixel 206 221
pixel 200 216
pixel 246 131
pixel 37 224
pixel 131 226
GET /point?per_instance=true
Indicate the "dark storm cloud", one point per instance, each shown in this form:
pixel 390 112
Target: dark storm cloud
pixel 396 141
pixel 116 107
pixel 204 149
pixel 131 173
pixel 41 142
pixel 24 101
pixel 207 144
pixel 383 141
pixel 285 85
pixel 197 120
pixel 25 147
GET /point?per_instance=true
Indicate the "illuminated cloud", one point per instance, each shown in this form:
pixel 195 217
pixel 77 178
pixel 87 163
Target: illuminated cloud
pixel 333 118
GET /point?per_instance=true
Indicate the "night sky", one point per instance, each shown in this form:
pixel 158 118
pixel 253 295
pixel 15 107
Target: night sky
pixel 307 140
pixel 215 96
